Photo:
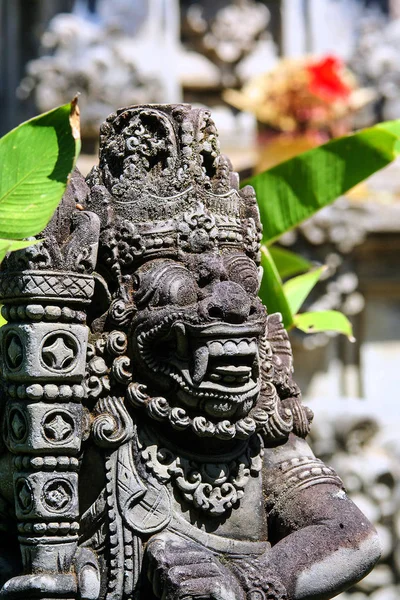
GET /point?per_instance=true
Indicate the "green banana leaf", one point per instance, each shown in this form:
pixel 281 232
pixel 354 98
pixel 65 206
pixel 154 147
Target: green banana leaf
pixel 297 289
pixel 324 320
pixel 288 263
pixel 287 299
pixel 36 159
pixel 294 190
pixel 271 289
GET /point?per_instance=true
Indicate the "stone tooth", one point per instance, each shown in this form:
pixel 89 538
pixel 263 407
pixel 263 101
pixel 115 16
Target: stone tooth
pixel 243 347
pixel 200 365
pixel 181 340
pixel 216 349
pixel 230 348
pixel 236 370
pixel 243 378
pixel 215 377
pixel 253 347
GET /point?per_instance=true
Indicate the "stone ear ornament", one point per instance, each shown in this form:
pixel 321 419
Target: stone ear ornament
pixel 154 434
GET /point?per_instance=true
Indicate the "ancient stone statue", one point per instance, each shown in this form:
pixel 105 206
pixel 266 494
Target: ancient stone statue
pixel 153 438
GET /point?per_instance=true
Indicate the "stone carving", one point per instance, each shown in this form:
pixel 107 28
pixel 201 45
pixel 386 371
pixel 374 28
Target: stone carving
pixel 159 419
pixel 43 349
pixel 57 427
pixel 212 487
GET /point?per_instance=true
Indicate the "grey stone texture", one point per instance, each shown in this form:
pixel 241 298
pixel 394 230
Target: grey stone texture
pixel 153 437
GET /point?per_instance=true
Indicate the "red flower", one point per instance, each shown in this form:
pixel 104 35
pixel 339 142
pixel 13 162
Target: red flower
pixel 325 80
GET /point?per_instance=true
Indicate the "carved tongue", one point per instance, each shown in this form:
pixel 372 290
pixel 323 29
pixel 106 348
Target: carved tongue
pixel 200 365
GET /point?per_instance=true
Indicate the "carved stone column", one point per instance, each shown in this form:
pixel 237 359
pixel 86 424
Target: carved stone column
pixel 43 346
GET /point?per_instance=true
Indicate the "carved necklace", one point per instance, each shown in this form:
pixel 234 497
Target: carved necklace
pixel 212 487
pixel 159 409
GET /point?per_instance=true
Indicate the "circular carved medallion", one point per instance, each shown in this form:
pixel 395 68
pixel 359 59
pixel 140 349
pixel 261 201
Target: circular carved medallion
pixel 57 495
pixel 58 427
pixel 59 351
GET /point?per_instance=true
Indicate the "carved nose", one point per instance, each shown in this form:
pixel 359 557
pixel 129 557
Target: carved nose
pixel 228 302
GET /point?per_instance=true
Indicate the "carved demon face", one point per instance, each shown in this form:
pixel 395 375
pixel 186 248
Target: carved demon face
pixel 179 246
pixel 196 331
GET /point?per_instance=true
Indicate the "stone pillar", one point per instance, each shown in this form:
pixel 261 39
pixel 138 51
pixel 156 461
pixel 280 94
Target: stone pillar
pixel 43 355
pixel 44 346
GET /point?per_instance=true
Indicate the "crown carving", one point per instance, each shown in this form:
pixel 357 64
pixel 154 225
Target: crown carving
pixel 163 187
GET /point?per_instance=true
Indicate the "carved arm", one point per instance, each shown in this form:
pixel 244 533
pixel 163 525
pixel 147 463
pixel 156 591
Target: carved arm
pixel 322 543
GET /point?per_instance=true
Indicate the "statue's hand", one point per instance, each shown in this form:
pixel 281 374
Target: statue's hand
pixel 83 584
pixel 180 569
pixel 88 574
pixel 258 577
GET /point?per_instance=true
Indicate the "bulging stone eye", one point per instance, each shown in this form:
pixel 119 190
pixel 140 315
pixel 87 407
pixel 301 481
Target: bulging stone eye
pixel 181 290
pixel 176 286
pixel 242 270
pixel 167 283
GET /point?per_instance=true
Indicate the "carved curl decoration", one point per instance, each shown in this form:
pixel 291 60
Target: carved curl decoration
pixel 112 425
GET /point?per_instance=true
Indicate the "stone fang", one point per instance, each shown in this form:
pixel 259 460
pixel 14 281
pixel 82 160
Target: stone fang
pixel 200 364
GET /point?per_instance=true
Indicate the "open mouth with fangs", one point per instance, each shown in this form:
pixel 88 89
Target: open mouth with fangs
pixel 215 364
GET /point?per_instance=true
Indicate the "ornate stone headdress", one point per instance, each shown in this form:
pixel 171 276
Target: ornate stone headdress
pixel 162 188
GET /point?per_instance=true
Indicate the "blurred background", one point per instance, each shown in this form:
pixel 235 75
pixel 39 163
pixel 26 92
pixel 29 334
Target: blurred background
pixel 251 62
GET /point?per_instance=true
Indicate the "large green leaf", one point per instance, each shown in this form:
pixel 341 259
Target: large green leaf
pixel 295 189
pixel 297 289
pixel 271 290
pixel 288 263
pixel 324 320
pixel 287 299
pixel 36 159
